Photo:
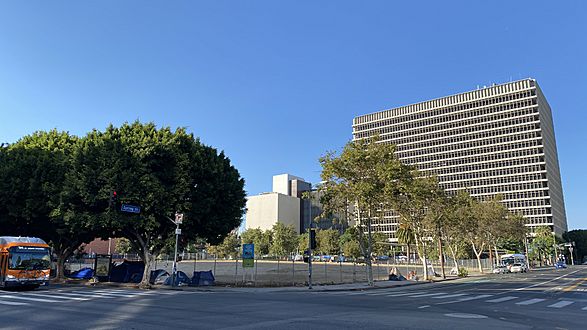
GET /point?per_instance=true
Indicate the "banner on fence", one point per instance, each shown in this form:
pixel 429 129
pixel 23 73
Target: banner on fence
pixel 248 255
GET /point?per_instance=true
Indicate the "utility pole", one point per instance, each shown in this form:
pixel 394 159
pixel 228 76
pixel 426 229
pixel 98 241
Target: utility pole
pixel 178 220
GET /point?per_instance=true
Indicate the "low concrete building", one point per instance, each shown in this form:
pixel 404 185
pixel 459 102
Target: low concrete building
pixel 265 210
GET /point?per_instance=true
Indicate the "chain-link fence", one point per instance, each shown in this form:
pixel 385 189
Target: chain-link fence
pixel 286 272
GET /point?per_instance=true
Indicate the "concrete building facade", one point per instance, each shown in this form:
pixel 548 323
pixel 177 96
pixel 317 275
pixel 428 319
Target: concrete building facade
pixel 494 140
pixel 265 210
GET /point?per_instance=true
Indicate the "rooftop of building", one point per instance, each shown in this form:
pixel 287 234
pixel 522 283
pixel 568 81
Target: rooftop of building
pixel 362 119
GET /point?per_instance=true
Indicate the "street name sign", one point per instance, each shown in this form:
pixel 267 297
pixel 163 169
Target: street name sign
pixel 130 208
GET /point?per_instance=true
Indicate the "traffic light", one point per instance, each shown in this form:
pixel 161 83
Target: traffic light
pixel 113 199
pixel 313 244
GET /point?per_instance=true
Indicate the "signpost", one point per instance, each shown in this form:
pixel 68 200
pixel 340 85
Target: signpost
pixel 178 221
pixel 130 208
pixel 248 255
pixel 102 267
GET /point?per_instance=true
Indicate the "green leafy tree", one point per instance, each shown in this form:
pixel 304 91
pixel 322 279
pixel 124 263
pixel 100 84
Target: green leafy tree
pixel 349 243
pixel 413 198
pixel 123 245
pixel 328 241
pixel 358 177
pixel 303 242
pixel 458 214
pixel 261 239
pixel 156 169
pixel 579 236
pixel 228 248
pixel 405 236
pixel 543 244
pixel 32 175
pixel 285 240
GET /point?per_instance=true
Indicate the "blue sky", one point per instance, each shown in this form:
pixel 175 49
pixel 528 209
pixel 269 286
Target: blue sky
pixel 276 84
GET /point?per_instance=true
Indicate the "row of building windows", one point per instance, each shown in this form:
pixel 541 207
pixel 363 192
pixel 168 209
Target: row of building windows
pixel 504 171
pixel 384 120
pixel 524 117
pixel 533 135
pixel 464 137
pixel 461 119
pixel 527 203
pixel 484 158
pixel 503 189
pixel 442 167
pixel 480 116
pixel 484 153
pixel 493 181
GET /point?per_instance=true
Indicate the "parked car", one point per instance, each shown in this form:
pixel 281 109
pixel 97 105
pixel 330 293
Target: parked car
pixel 518 268
pixel 501 269
pixel 560 265
pixel 298 257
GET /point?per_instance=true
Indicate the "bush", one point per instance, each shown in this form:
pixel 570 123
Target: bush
pixel 463 272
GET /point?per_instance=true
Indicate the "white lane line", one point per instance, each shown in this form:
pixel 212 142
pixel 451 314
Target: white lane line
pixel 380 293
pixel 428 295
pixel 403 294
pixel 55 296
pixel 450 296
pixel 84 295
pixel 28 298
pixel 482 296
pixel 127 292
pixel 561 304
pixel 113 295
pixel 545 282
pixel 584 308
pixel 530 302
pixel 13 303
pixel 498 300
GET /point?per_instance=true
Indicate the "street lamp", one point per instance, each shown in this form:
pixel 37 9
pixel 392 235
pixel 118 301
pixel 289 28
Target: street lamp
pixel 178 220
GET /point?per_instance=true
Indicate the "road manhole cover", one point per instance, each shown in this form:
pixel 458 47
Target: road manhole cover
pixel 466 316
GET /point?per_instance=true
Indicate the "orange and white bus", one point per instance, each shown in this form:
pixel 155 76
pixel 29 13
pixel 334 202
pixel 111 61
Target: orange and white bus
pixel 24 262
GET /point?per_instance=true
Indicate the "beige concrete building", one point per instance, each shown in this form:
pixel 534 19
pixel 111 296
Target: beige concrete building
pixel 265 210
pixel 494 140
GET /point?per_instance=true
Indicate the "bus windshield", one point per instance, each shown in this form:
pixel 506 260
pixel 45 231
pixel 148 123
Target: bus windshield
pixel 29 260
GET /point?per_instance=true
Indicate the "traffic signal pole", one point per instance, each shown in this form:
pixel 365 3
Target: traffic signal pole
pixel 310 259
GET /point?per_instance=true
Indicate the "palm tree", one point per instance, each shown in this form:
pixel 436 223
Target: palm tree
pixel 405 235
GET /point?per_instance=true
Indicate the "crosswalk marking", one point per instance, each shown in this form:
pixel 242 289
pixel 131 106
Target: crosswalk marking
pixel 380 293
pixel 12 303
pixel 450 296
pixel 481 296
pixel 83 295
pixel 530 301
pixel 54 296
pixel 428 295
pixel 584 308
pixel 561 304
pixel 498 300
pixel 114 295
pixel 29 298
pixel 403 294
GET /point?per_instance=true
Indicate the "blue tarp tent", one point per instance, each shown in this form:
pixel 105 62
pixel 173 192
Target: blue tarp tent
pixel 84 273
pixel 158 276
pixel 127 271
pixel 202 279
pixel 181 278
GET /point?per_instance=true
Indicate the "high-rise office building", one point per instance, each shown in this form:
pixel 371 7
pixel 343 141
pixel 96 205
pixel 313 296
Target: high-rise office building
pixel 494 140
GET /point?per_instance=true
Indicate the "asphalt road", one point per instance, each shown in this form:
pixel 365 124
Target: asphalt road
pixel 540 299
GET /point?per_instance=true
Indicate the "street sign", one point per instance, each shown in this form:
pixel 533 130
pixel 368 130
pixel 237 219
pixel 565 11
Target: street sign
pixel 178 231
pixel 130 208
pixel 248 255
pixel 178 218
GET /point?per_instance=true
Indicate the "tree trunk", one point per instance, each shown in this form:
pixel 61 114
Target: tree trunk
pixel 369 249
pixel 441 257
pixel 422 258
pixel 496 256
pixel 490 255
pixel 61 258
pixel 478 255
pixel 147 258
pixel 453 253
